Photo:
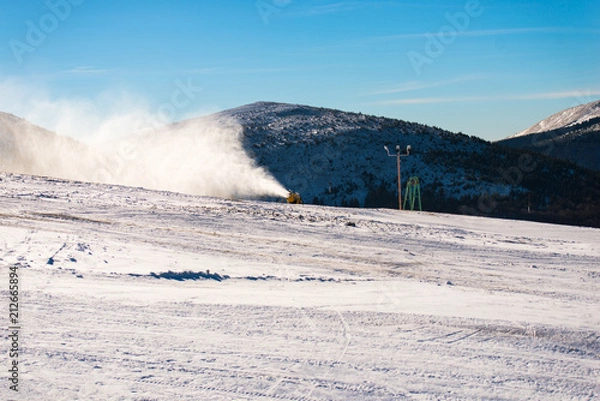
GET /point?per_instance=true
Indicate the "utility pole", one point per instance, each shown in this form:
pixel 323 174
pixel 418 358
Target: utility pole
pixel 398 156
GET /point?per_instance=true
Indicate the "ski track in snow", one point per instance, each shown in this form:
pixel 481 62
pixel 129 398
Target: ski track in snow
pixel 321 303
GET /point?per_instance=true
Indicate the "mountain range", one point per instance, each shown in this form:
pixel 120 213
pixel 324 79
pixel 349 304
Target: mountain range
pixel 337 158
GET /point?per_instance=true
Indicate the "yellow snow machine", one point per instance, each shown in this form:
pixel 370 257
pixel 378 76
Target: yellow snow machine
pixel 294 197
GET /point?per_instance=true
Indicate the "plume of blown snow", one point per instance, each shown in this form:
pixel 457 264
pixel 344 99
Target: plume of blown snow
pixel 112 144
pixel 204 156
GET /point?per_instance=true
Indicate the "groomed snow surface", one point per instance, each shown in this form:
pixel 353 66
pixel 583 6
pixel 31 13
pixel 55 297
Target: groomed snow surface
pixel 268 301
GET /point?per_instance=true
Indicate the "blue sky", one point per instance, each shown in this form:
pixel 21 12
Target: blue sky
pixel 483 67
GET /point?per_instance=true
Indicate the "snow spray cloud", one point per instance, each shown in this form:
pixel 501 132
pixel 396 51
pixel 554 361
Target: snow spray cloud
pixel 203 156
pixel 110 114
pixel 113 144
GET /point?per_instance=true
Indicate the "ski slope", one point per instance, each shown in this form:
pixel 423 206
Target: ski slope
pixel 269 301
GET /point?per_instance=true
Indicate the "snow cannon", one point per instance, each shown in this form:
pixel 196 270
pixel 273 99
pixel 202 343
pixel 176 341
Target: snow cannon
pixel 294 197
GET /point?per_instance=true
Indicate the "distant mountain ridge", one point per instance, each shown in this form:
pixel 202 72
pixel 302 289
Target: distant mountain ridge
pixel 567 118
pixel 572 134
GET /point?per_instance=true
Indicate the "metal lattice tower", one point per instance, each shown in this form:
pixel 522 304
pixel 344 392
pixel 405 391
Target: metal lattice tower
pixel 413 193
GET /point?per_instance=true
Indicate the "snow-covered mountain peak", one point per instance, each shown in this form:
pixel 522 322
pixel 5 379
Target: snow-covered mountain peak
pixel 572 134
pixel 566 118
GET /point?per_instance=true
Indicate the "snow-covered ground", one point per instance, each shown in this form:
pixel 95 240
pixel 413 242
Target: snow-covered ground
pixel 301 302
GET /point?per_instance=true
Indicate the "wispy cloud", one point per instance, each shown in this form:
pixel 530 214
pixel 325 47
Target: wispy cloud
pixel 312 9
pixel 211 71
pixel 85 70
pixel 525 96
pixel 320 7
pixel 492 32
pixel 419 85
pixel 242 71
pixel 204 71
pixel 333 7
pixel 558 95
